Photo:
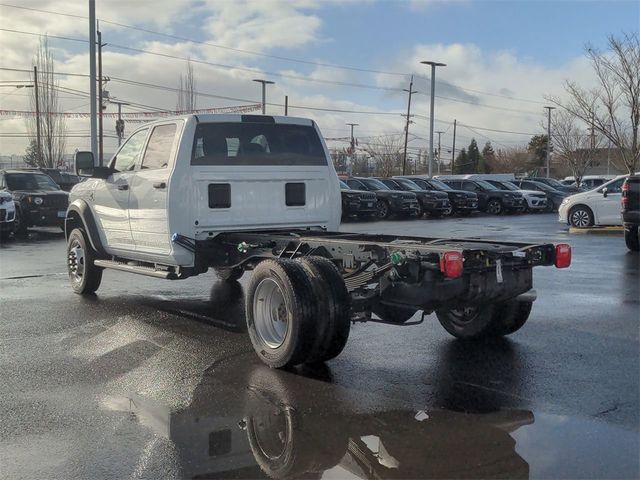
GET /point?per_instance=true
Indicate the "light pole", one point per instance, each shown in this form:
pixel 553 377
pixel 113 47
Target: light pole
pixel 433 94
pixel 264 92
pixel 549 138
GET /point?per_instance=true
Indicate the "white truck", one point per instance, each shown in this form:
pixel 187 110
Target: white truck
pixel 258 193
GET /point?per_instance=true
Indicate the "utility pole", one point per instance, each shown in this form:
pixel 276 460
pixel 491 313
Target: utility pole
pixel 406 128
pixel 439 133
pixel 38 140
pixel 431 118
pixel 92 76
pixel 100 99
pixel 549 139
pixel 286 105
pixel 353 147
pixel 453 150
pixel 264 92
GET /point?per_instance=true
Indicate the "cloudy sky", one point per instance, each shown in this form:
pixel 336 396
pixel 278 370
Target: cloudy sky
pixel 502 58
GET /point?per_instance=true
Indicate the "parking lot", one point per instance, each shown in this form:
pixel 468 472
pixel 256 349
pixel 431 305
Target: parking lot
pixel 151 379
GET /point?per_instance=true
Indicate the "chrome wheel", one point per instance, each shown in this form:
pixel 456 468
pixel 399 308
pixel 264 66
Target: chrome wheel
pixel 448 212
pixel 383 209
pixel 494 207
pixel 580 218
pixel 76 261
pixel 270 313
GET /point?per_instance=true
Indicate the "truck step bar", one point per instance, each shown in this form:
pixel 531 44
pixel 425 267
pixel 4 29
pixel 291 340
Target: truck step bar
pixel 139 269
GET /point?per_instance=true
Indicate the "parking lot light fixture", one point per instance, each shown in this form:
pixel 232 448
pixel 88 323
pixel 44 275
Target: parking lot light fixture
pixel 433 93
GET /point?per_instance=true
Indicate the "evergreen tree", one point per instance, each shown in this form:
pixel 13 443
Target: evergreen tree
pixel 488 158
pixel 31 154
pixel 462 162
pixel 538 147
pixel 474 156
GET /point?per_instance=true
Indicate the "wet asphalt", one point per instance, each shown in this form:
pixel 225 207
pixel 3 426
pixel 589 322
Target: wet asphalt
pixel 152 379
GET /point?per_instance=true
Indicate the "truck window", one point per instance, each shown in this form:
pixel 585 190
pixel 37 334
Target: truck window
pixel 249 143
pixel 127 157
pixel 159 147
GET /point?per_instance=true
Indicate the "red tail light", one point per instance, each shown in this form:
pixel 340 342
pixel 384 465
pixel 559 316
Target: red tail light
pixel 451 264
pixel 625 196
pixel 563 255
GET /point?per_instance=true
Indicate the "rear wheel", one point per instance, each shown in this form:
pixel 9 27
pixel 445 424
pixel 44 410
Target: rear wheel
pixel 631 238
pixel 510 316
pixel 494 206
pixel 85 277
pixel 333 322
pixel 467 322
pixel 281 311
pixel 581 216
pixel 19 225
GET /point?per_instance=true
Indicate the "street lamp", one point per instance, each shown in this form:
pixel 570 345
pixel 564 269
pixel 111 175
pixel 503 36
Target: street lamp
pixel 433 93
pixel 264 92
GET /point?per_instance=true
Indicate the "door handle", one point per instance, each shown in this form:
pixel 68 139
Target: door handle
pixel 123 187
pixel 160 185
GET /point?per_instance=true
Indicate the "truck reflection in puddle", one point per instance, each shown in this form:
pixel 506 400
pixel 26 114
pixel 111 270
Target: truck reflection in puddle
pixel 249 421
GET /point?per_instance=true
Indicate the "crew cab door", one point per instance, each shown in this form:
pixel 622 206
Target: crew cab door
pixel 608 208
pixel 111 196
pixel 148 192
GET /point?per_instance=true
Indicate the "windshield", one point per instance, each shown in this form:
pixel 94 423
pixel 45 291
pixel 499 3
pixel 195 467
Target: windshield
pixel 254 143
pixel 438 184
pixel 408 184
pixel 344 186
pixel 553 182
pixel 374 184
pixel 30 181
pixel 506 186
pixel 485 185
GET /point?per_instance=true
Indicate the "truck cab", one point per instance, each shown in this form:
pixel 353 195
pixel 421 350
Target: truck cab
pixel 222 172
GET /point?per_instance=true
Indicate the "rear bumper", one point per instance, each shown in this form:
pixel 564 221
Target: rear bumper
pixel 631 217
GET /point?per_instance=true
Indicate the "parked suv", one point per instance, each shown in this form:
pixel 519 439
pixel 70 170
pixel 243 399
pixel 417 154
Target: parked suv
pixel 430 202
pixel 7 213
pixel 554 197
pixel 490 199
pixel 536 200
pixel 461 201
pixel 39 200
pixel 358 203
pixel 631 212
pixel 389 201
pixel 65 180
pixel 553 183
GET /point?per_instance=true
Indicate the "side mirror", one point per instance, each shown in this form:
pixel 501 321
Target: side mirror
pixel 605 192
pixel 85 164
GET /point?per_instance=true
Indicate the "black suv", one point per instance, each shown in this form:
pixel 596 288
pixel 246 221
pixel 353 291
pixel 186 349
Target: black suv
pixel 65 180
pixel 631 212
pixel 555 184
pixel 39 200
pixel 490 199
pixel 462 202
pixel 358 203
pixel 389 201
pixel 432 203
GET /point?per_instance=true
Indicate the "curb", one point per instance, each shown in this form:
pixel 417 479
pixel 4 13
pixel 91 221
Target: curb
pixel 617 230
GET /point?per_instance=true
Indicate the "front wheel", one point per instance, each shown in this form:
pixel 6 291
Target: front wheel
pixel 468 322
pixel 383 209
pixel 19 225
pixel 631 238
pixel 494 207
pixel 85 277
pixel 419 211
pixel 581 217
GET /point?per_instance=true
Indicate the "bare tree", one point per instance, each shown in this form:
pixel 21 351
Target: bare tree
pixel 52 124
pixel 187 90
pixel 386 152
pixel 573 146
pixel 512 160
pixel 613 107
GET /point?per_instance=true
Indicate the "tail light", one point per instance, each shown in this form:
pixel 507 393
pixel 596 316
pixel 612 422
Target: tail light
pixel 625 194
pixel 563 255
pixel 451 264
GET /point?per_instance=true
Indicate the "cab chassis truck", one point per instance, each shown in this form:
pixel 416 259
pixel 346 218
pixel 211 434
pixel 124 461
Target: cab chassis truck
pixel 259 194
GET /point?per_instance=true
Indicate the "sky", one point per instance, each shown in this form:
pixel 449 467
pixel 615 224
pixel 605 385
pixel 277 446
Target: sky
pixel 503 59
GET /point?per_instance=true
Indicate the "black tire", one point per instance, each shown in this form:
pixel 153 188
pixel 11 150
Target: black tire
pixel 84 276
pixel 467 323
pixel 19 225
pixel 384 210
pixel 494 206
pixel 394 313
pixel 448 212
pixel 292 300
pixel 333 322
pixel 229 274
pixel 631 238
pixel 420 211
pixel 4 235
pixel 510 316
pixel 581 216
pixel 551 207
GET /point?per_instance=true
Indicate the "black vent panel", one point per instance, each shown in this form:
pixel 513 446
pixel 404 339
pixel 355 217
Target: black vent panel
pixel 295 194
pixel 219 195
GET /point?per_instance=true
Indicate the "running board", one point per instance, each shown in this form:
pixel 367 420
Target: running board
pixel 139 269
